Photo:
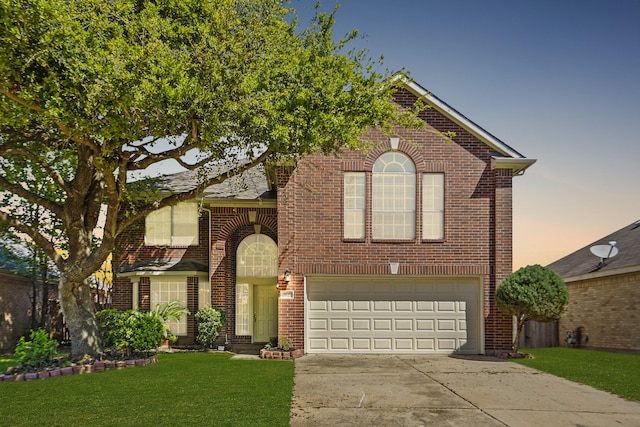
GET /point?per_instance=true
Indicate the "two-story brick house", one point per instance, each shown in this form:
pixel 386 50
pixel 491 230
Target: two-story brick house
pixel 394 249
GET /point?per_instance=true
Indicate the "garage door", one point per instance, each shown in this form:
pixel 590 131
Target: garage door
pixel 383 315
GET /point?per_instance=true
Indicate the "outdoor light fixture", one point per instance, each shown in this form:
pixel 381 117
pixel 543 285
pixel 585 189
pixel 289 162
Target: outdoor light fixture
pixel 393 266
pixel 287 275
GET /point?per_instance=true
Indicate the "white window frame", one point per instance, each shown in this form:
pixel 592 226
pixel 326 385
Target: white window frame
pixel 354 205
pixel 393 197
pixel 433 206
pixel 166 290
pixel 173 226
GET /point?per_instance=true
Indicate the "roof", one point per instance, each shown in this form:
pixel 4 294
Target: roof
pixel 505 157
pixel 250 185
pixel 163 265
pixel 583 264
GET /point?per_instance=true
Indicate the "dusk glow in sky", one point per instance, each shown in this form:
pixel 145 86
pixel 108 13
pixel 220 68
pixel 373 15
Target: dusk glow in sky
pixel 559 81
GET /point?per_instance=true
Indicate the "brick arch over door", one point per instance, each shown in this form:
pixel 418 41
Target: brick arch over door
pixel 238 221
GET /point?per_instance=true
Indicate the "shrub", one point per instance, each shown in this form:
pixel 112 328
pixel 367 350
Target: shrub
pixel 109 325
pixel 209 322
pixel 37 352
pixel 532 293
pixel 130 332
pixel 141 332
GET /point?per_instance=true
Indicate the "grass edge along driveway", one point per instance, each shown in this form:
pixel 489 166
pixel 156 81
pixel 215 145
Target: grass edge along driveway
pixel 617 373
pixel 181 389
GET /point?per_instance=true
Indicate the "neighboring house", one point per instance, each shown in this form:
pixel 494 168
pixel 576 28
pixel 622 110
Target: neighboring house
pixel 396 249
pixel 604 293
pixel 16 293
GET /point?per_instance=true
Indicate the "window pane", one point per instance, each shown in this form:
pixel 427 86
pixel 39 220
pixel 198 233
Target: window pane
pixel 257 256
pixel 242 309
pixel 163 292
pixel 158 227
pixel 393 197
pixel 433 206
pixel 354 205
pixel 185 224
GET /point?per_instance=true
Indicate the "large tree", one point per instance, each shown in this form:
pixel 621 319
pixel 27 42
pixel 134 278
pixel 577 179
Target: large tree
pixel 92 91
pixel 532 293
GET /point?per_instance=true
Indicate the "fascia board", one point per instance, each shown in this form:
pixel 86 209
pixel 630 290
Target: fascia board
pixel 599 274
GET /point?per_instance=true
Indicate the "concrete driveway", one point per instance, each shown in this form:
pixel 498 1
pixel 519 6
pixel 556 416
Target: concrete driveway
pixel 380 390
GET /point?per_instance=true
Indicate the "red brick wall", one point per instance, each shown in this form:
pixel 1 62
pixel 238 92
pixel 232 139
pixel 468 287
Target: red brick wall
pixel 608 308
pixel 229 225
pixel 478 228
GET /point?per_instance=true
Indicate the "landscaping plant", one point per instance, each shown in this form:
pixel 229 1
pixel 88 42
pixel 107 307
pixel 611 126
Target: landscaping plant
pixel 209 322
pixel 172 310
pixel 532 293
pixel 131 332
pixel 37 352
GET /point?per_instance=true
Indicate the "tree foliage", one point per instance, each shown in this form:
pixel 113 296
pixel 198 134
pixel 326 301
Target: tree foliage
pixel 532 293
pixel 92 91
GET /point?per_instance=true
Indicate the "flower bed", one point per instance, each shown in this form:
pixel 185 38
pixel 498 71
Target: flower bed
pixel 97 366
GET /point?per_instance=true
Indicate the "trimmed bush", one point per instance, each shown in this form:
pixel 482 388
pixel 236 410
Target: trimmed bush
pixel 209 321
pixel 131 332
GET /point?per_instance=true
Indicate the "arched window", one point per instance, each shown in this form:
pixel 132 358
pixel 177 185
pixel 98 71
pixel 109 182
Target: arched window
pixel 257 256
pixel 393 197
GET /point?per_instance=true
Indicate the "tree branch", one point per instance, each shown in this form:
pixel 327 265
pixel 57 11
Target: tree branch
pixel 53 174
pixel 42 241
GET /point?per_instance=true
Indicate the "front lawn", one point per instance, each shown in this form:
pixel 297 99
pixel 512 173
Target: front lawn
pixel 181 389
pixel 7 361
pixel 614 372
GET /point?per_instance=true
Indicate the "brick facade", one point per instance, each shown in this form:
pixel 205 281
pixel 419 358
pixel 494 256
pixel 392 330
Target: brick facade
pixel 478 221
pixel 608 308
pixel 307 223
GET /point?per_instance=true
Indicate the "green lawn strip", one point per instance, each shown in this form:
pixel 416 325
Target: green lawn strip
pixel 181 389
pixel 617 373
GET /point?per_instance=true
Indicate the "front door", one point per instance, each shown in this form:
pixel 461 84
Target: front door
pixel 265 316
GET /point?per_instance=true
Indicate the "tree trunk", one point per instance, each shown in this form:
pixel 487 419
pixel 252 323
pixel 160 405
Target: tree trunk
pixel 519 326
pixel 78 312
pixel 45 296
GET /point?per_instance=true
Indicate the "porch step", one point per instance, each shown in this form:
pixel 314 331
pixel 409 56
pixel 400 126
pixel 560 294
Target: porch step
pixel 247 348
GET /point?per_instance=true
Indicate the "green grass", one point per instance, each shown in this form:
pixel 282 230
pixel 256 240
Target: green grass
pixel 7 361
pixel 617 373
pixel 181 389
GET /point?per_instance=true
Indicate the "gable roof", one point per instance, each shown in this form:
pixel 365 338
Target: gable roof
pixel 582 264
pixel 505 156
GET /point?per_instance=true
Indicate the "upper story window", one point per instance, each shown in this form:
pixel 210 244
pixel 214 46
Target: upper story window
pixel 173 226
pixel 433 206
pixel 393 197
pixel 354 205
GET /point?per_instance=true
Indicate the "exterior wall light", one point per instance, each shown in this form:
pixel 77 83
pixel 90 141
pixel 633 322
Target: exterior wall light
pixel 393 266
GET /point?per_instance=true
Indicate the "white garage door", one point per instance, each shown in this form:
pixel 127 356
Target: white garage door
pixel 393 315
